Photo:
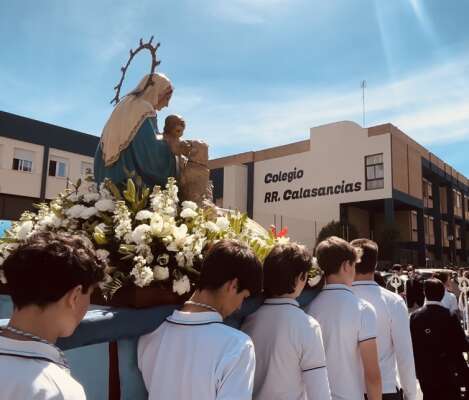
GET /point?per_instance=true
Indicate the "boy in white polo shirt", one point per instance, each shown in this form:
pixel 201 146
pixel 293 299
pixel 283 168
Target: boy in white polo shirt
pixel 290 359
pixel 50 279
pixel 348 325
pixel 394 340
pixel 193 355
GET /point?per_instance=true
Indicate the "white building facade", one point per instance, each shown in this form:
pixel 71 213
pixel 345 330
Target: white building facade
pixel 366 178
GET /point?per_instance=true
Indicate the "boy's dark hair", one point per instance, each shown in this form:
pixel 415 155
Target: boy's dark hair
pixel 443 276
pixel 396 267
pixel 43 269
pixel 434 289
pixel 332 252
pixel 369 257
pixel 227 260
pixel 284 264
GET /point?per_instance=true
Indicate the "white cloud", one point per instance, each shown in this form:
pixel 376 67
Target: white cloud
pixel 431 106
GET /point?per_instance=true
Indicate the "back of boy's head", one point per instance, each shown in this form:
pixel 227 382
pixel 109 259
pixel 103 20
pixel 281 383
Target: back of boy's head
pixel 368 257
pixel 227 260
pixel 284 264
pixel 434 289
pixel 333 252
pixel 43 269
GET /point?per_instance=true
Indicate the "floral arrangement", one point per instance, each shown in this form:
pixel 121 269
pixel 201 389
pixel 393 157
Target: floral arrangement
pixel 143 238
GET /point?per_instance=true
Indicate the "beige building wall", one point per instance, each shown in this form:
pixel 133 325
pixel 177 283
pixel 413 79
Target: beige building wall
pixel 56 184
pixel 20 183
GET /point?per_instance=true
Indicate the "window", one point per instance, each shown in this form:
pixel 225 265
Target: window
pixel 445 233
pixel 58 167
pixel 457 200
pixel 23 160
pixel 86 168
pixel 429 227
pixel 427 194
pixel 374 172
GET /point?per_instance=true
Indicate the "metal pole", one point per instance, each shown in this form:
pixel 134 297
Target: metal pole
pixel 363 86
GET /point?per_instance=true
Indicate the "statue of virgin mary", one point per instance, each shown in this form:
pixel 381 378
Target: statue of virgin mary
pixel 129 140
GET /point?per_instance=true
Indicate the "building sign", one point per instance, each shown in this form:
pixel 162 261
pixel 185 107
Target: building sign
pixel 288 194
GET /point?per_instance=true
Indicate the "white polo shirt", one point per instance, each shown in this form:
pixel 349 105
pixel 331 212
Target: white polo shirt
pixel 449 301
pixel 32 370
pixel 194 356
pixel 394 340
pixel 345 321
pixel 290 359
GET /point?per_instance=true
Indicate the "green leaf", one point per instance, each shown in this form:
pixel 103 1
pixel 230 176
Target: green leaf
pixel 130 193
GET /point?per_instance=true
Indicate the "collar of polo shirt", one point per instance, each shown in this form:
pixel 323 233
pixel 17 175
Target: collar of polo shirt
pixel 29 349
pixel 337 286
pixel 280 301
pixel 194 318
pixel 433 303
pixel 364 283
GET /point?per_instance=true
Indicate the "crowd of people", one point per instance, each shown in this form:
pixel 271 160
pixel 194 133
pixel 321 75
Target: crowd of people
pixel 354 341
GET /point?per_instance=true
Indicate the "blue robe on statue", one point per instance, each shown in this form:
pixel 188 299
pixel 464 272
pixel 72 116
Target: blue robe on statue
pixel 150 158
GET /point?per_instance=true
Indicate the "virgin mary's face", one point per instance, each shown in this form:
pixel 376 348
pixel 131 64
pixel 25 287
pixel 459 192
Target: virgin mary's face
pixel 163 101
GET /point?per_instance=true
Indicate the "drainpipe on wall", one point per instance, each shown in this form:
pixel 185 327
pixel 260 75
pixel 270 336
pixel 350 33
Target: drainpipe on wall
pixel 45 165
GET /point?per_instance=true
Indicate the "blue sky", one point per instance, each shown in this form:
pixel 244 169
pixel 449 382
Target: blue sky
pixel 248 74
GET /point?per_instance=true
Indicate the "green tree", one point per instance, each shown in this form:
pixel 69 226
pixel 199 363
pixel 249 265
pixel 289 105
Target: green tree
pixel 388 239
pixel 336 228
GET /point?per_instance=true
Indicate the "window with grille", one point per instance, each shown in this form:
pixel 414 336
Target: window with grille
pixel 23 160
pixel 374 171
pixel 58 167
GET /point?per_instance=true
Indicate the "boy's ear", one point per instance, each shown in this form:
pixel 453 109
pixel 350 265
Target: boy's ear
pixel 72 296
pixel 232 285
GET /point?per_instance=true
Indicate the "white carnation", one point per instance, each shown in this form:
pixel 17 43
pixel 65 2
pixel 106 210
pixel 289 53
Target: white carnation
pixel 140 233
pixel 50 220
pixel 182 285
pixel 143 276
pixel 102 255
pixel 161 273
pixel 223 223
pixel 188 213
pixel 89 197
pixel 189 204
pixel 75 211
pixel 104 205
pixel 143 214
pixel 24 230
pixel 88 212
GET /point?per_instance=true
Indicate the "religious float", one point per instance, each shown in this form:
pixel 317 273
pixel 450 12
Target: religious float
pixel 148 208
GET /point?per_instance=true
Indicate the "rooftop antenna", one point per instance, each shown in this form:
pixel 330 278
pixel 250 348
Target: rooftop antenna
pixel 363 86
